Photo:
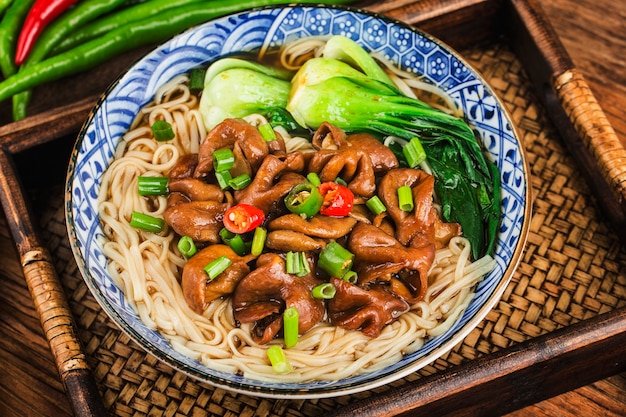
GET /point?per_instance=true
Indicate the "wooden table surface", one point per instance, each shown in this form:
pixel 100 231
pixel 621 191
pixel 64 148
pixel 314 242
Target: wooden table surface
pixel 592 31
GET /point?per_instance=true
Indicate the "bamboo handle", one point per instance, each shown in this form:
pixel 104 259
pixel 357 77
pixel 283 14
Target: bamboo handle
pixel 58 324
pixel 594 130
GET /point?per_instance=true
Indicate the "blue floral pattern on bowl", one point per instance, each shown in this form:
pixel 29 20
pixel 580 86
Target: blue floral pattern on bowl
pixel 265 29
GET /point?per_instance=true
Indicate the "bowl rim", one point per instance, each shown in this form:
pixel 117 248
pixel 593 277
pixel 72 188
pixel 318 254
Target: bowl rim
pixel 299 393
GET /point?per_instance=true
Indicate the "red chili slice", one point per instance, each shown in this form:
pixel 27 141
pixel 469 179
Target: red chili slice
pixel 243 218
pixel 338 200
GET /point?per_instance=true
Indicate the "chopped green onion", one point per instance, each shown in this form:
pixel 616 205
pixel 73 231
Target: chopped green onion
pixel 162 131
pixel 234 241
pixel 290 326
pixel 240 182
pixel 152 185
pixel 314 178
pixel 258 241
pixel 350 277
pixel 297 263
pixel 187 247
pixel 267 131
pixel 279 361
pixel 196 79
pixel 217 266
pixel 340 181
pixel 223 159
pixel 292 263
pixel 375 205
pixel 405 198
pixel 324 291
pixel 146 222
pixel 305 268
pixel 335 260
pixel 223 178
pixel 414 152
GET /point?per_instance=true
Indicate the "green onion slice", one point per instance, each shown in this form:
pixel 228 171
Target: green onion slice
pixel 217 266
pixel 414 152
pixel 290 326
pixel 162 131
pixel 223 178
pixel 405 198
pixel 305 268
pixel 187 247
pixel 335 260
pixel 240 182
pixel 279 361
pixel 292 263
pixel 234 241
pixel 152 185
pixel 325 291
pixel 267 131
pixel 196 79
pixel 258 241
pixel 375 205
pixel 146 222
pixel 223 159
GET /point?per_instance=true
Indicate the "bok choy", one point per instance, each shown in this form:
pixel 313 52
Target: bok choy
pixel 236 88
pixel 349 89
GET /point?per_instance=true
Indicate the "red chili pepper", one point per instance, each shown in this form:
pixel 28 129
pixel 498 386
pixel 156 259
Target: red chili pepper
pixel 338 200
pixel 243 218
pixel 40 15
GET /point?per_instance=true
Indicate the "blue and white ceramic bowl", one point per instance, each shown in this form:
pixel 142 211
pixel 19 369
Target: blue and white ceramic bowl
pixel 270 28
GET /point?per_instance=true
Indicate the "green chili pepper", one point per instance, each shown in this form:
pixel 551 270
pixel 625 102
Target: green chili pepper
pixel 82 13
pixel 114 20
pixel 304 199
pixel 9 31
pixel 335 260
pixel 4 4
pixel 124 38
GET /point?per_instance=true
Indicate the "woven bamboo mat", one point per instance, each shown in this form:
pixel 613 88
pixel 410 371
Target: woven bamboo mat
pixel 572 269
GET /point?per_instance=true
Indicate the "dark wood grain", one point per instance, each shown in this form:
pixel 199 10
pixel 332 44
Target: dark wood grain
pixel 592 33
pixel 470 390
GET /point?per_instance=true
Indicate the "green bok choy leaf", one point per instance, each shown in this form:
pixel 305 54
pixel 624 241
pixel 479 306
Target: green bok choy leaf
pixel 348 88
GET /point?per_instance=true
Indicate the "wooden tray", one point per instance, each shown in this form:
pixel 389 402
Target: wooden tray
pixel 555 329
